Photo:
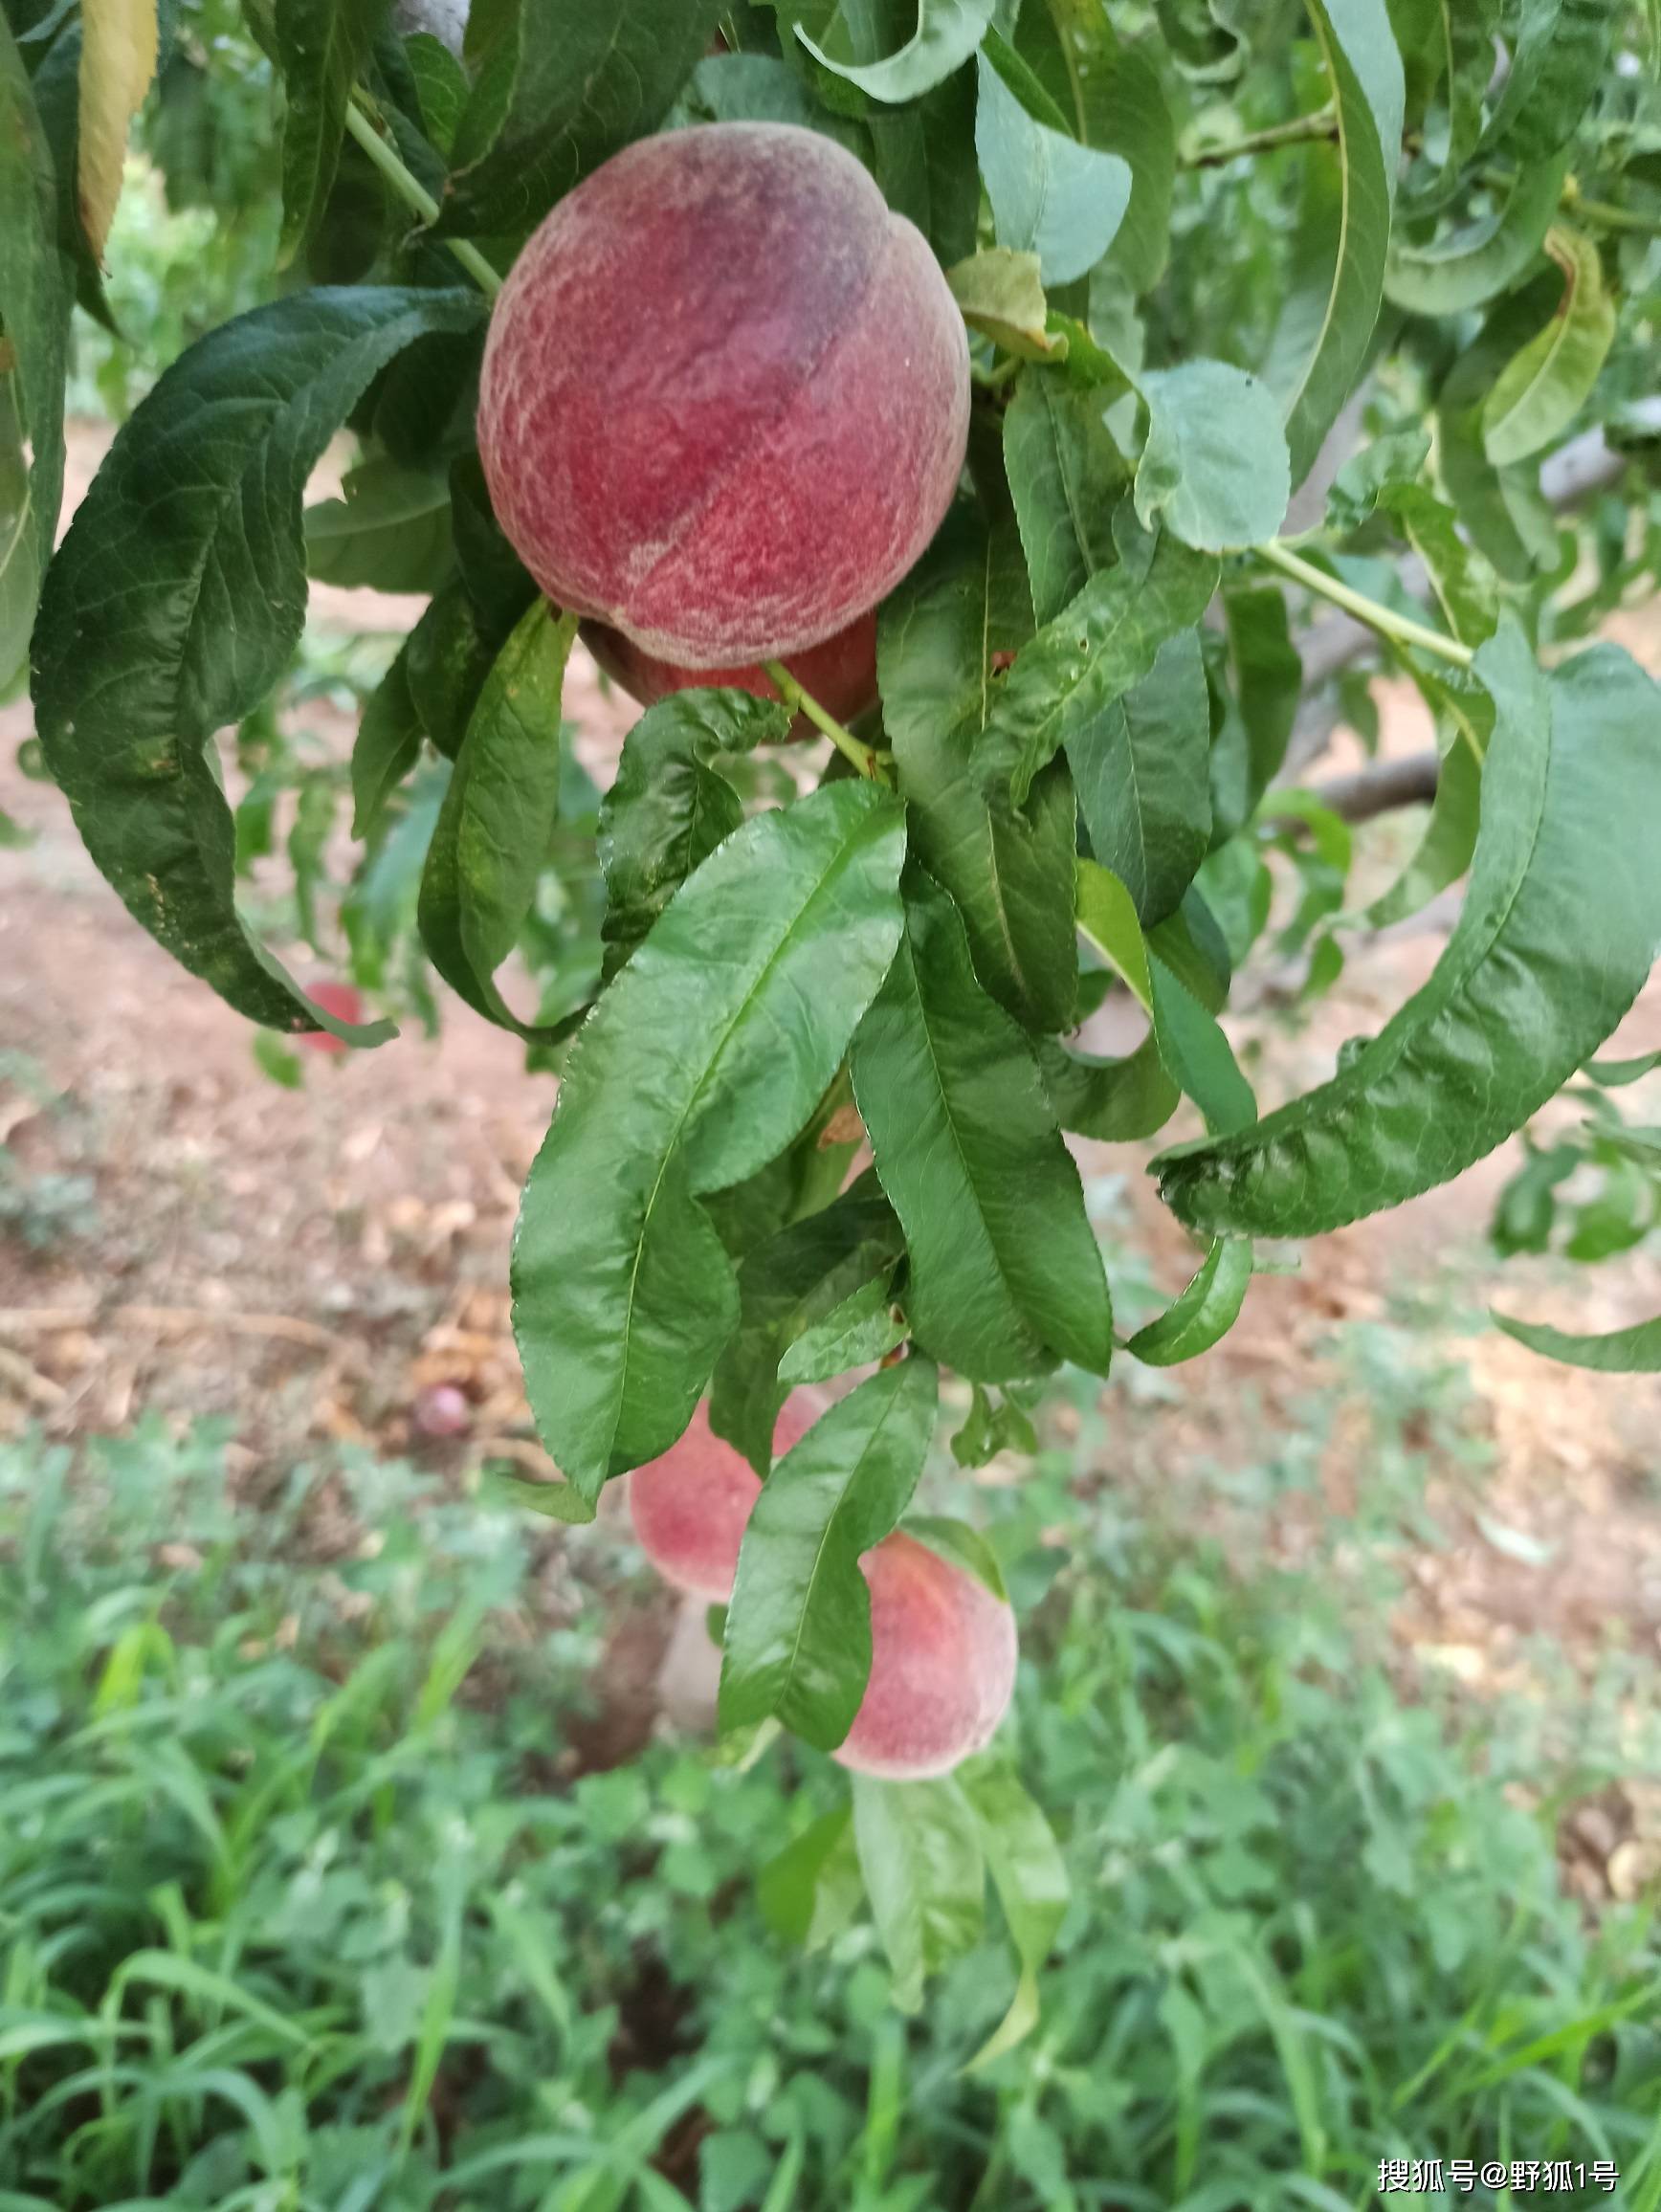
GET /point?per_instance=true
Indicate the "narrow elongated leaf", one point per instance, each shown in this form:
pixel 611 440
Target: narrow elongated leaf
pixel 925 1875
pixel 497 819
pixel 388 746
pixel 34 303
pixel 177 597
pixel 862 1328
pixel 321 48
pixel 1031 1878
pixel 1616 1075
pixel 1141 772
pixel 1204 1313
pixel 698 1066
pixel 1540 391
pixel 1366 73
pixel 117 60
pixel 1191 1049
pixel 1491 502
pixel 1050 197
pixel 798 1630
pixel 1079 666
pixel 1214 470
pixel 1479 261
pixel 1561 52
pixel 390 532
pixel 562 84
pixel 1635 1351
pixel 1066 477
pixel 668 807
pixel 1531 983
pixel 1007 867
pixel 1445 850
pixel 1259 709
pixel 786 1287
pixel 1006 1274
pixel 947 32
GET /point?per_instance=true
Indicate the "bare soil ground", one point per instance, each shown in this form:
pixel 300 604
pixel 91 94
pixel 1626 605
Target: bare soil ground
pixel 302 1263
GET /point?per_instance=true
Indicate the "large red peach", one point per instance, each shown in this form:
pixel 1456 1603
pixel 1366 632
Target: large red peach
pixel 689 1507
pixel 725 395
pixel 942 1665
pixel 840 673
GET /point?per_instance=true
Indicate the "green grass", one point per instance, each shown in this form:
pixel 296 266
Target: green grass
pixel 302 1906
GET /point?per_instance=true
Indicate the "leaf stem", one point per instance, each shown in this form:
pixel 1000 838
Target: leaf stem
pixel 803 702
pixel 1608 217
pixel 414 194
pixel 1322 124
pixel 1398 629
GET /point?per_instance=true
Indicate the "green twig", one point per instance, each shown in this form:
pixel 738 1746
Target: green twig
pixel 414 194
pixel 1398 629
pixel 803 702
pixel 1323 124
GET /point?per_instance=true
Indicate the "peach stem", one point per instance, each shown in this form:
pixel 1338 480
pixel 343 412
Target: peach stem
pixel 803 702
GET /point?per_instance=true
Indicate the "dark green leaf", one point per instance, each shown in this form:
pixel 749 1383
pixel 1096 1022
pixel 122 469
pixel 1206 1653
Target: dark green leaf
pixel 1561 52
pixel 34 303
pixel 1008 869
pixel 786 1286
pixel 947 32
pixel 1204 1313
pixel 390 532
pixel 1541 389
pixel 668 807
pixel 179 595
pixel 321 48
pixel 862 1329
pixel 1066 477
pixel 564 84
pixel 1005 1270
pixel 1049 195
pixel 1616 1075
pixel 1492 503
pixel 1635 1351
pixel 798 1632
pixel 388 746
pixel 1113 1101
pixel 1260 709
pixel 440 88
pixel 1214 470
pixel 447 656
pixel 1520 998
pixel 498 820
pixel 1445 851
pixel 703 1060
pixel 1031 1878
pixel 1141 772
pixel 925 1875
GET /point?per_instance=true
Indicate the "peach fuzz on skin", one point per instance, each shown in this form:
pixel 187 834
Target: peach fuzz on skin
pixel 690 1506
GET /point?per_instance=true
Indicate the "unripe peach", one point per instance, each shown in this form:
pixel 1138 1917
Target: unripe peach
pixel 342 1000
pixel 725 395
pixel 689 1508
pixel 841 672
pixel 942 1665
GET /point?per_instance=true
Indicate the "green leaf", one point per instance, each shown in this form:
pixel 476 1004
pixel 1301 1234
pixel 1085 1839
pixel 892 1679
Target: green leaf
pixel 668 807
pixel 925 1875
pixel 947 32
pixel 1192 1049
pixel 321 47
pixel 1635 1351
pixel 1616 1075
pixel 388 746
pixel 177 597
pixel 1365 75
pixel 1445 850
pixel 1076 670
pixel 1204 1313
pixel 1001 293
pixel 1049 195
pixel 497 819
pixel 1260 709
pixel 787 1285
pixel 1541 389
pixel 36 296
pixel 1494 504
pixel 1142 775
pixel 562 85
pixel 811 1890
pixel 1560 53
pixel 440 88
pixel 1478 260
pixel 390 533
pixel 1113 99
pixel 1214 468
pixel 862 1328
pixel 700 1064
pixel 1031 1878
pixel 798 1632
pixel 1113 1101
pixel 1066 477
pixel 1006 1274
pixel 1007 868
pixel 1521 997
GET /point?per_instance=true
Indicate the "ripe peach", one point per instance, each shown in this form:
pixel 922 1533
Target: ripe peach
pixel 942 1665
pixel 690 1507
pixel 345 1004
pixel 725 395
pixel 841 672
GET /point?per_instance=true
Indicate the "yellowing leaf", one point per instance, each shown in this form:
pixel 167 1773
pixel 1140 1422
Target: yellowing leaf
pixel 117 60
